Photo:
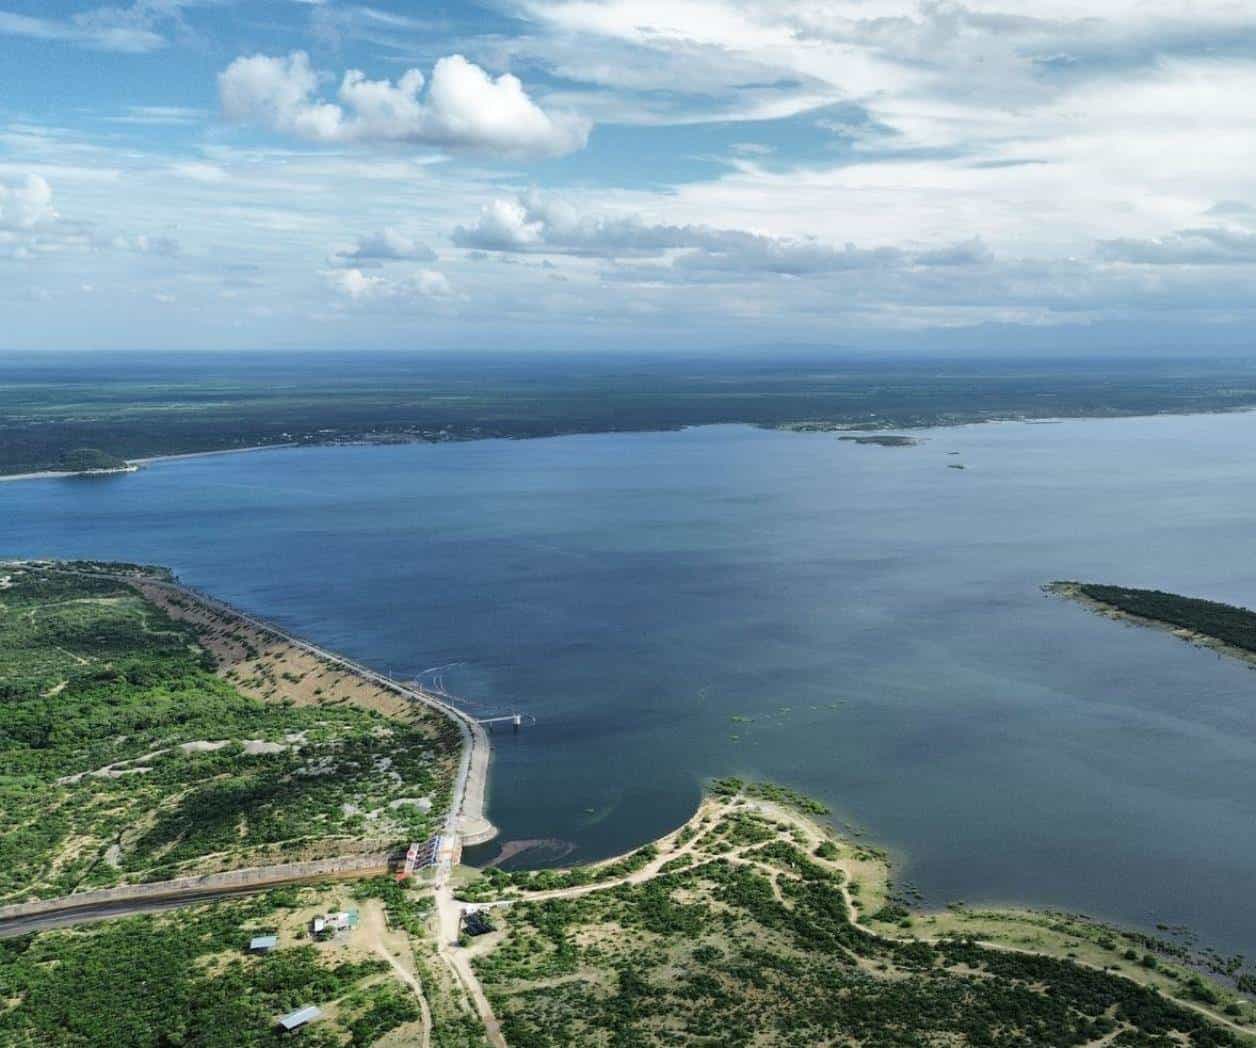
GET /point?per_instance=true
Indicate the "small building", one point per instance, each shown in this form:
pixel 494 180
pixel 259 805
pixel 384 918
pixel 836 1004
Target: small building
pixel 302 1016
pixel 328 925
pixel 263 943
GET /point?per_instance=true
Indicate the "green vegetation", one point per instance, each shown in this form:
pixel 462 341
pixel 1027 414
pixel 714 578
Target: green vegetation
pixel 756 945
pixel 124 758
pixel 79 459
pixel 381 1008
pixel 1223 622
pixel 768 791
pixel 454 1021
pixel 184 978
pixel 495 882
pixel 883 440
pixel 138 405
pixel 404 910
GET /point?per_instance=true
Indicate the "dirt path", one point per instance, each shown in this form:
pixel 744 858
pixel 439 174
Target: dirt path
pixel 737 855
pixel 856 919
pixel 449 916
pixel 393 947
pixel 448 920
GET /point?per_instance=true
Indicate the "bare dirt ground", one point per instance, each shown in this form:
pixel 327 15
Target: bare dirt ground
pixel 458 960
pixel 370 939
pixel 269 668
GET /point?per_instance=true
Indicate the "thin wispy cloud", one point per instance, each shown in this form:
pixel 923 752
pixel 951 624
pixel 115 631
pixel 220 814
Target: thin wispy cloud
pixel 139 28
pixel 832 170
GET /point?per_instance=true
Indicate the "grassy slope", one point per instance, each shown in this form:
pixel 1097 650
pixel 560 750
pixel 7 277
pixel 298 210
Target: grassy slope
pixel 97 682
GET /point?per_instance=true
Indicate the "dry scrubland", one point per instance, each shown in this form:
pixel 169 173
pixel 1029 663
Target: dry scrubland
pixel 754 924
pixel 143 736
pixel 135 747
pixel 264 667
pixel 379 983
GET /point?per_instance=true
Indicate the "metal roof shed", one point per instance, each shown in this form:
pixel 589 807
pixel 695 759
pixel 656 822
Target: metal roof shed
pixel 263 943
pixel 295 1020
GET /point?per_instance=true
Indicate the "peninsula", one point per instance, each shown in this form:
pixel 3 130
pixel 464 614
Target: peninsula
pixel 1225 628
pixel 755 923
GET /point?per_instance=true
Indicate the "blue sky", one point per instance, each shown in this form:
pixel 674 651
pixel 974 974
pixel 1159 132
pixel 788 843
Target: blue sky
pixel 646 174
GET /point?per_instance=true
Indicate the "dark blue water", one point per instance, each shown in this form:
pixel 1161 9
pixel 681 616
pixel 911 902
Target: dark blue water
pixel 875 615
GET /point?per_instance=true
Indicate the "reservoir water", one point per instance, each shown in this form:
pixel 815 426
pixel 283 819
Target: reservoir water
pixel 862 623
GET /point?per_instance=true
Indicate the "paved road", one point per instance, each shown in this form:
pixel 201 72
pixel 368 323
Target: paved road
pixel 102 911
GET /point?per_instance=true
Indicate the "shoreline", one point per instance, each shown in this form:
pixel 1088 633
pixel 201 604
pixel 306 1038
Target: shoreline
pixel 1072 591
pixel 466 822
pixel 218 451
pixel 852 429
pixel 134 465
pixel 870 898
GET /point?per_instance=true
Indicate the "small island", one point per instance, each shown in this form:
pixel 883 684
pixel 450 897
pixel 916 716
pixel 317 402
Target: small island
pixel 882 440
pixel 1222 627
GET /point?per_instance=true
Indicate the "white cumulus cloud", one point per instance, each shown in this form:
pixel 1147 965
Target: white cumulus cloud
pixel 360 287
pixel 463 107
pixel 388 245
pixel 26 204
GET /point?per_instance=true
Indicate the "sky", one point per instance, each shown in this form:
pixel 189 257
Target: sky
pixel 628 174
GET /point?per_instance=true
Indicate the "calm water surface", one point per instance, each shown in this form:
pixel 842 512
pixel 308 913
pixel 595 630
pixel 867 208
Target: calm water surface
pixel 861 623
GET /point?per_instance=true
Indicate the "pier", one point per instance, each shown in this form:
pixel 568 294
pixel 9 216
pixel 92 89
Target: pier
pixel 516 720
